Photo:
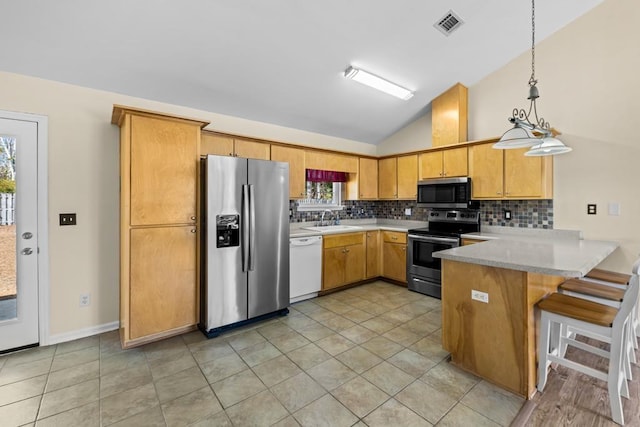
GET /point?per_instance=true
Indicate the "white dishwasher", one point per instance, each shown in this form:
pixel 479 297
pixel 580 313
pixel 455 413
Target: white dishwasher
pixel 305 267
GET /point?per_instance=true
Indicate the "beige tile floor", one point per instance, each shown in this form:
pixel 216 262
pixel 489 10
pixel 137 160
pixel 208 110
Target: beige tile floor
pixel 370 355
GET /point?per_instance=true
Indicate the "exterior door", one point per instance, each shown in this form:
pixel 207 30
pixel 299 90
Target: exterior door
pixel 18 233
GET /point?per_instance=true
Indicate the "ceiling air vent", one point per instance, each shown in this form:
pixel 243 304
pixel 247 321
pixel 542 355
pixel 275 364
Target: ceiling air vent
pixel 449 23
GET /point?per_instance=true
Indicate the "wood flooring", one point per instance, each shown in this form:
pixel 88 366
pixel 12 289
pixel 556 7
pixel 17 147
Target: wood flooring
pixel 571 398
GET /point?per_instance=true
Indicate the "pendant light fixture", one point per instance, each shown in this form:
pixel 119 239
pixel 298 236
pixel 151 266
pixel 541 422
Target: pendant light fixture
pixel 528 129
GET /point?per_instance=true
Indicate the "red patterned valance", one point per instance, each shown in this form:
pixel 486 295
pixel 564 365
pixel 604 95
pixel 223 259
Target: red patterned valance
pixel 316 175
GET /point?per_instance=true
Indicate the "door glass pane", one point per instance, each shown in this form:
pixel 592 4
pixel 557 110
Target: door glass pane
pixel 8 289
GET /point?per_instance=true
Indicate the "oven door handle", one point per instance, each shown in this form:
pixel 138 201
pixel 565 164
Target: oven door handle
pixel 434 239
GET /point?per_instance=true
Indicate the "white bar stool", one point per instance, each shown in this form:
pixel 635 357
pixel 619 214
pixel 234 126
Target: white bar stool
pixel 558 311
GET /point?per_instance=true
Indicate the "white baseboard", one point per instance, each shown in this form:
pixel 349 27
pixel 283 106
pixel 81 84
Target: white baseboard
pixel 83 333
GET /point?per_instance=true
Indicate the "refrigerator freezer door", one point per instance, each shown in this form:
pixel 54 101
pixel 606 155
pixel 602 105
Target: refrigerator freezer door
pixel 269 278
pixel 225 289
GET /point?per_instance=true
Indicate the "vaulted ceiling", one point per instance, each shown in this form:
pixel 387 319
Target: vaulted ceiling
pixel 275 61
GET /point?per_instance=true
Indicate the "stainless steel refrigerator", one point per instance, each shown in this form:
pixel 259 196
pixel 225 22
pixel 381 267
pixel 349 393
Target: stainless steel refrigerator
pixel 245 260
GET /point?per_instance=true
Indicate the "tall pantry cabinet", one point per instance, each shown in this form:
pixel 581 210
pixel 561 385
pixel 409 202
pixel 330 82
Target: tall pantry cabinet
pixel 158 224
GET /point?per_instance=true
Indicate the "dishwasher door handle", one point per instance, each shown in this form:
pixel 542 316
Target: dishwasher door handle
pixel 305 241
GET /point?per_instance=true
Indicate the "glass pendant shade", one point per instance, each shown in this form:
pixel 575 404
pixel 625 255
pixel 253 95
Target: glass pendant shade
pixel 548 147
pixel 517 137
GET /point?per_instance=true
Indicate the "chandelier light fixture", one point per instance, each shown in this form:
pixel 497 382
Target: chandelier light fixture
pixel 529 130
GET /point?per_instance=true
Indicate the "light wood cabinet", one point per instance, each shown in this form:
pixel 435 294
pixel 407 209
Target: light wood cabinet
pixel 398 177
pixel 509 174
pixel 297 171
pixel 343 260
pixel 163 276
pixel 364 184
pixel 223 145
pixel 444 163
pixel 388 178
pixel 159 161
pixel 449 117
pixel 394 255
pixel 373 254
pixel 466 242
pixel 331 161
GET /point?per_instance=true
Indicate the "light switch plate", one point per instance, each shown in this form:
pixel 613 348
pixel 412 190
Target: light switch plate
pixel 407 211
pixel 614 208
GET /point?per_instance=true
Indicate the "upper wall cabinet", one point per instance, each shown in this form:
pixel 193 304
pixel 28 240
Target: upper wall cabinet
pixel 509 174
pixel 223 145
pixel 398 177
pixel 330 161
pixel 444 163
pixel 295 158
pixel 364 184
pixel 449 117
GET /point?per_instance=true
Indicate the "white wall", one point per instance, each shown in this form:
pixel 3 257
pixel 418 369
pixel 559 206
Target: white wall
pixel 415 136
pixel 588 81
pixel 83 178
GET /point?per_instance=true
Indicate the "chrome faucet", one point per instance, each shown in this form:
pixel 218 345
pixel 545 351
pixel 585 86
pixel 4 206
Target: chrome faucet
pixel 322 216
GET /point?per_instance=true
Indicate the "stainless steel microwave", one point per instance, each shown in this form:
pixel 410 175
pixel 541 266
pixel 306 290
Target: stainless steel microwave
pixel 446 193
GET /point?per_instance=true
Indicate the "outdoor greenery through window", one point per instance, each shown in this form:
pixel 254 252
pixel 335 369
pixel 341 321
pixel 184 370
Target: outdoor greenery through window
pixel 7 164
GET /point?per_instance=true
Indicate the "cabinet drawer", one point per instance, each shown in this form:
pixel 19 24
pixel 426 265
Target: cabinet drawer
pixel 394 237
pixel 337 240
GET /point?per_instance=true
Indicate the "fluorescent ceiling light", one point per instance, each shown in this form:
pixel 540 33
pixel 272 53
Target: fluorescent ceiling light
pixel 376 82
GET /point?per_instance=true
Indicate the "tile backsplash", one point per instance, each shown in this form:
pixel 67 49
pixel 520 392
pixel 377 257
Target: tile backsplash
pixel 524 213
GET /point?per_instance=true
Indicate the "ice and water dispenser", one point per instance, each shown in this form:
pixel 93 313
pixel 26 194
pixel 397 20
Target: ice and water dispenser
pixel 227 231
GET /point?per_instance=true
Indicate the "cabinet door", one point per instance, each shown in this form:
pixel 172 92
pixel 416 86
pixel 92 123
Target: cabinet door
pixel 387 178
pixel 455 162
pixel 163 282
pixel 408 177
pixel 449 117
pixel 164 160
pixel 297 173
pixel 218 145
pixel 394 259
pixel 486 171
pixel 355 263
pixel 333 267
pixel 252 149
pixel 368 179
pixel 373 254
pixel 431 165
pixel 526 177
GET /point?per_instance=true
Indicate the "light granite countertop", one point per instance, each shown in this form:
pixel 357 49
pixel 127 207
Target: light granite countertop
pixel 552 256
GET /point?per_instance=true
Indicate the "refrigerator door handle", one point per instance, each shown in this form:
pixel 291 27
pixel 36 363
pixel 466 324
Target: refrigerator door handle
pixel 245 227
pixel 252 227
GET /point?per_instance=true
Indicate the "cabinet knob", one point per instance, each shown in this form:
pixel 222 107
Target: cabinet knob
pixel 346 250
pixel 404 248
pixel 193 230
pixel 507 193
pixel 394 238
pixel 231 154
pixel 193 218
pixel 498 192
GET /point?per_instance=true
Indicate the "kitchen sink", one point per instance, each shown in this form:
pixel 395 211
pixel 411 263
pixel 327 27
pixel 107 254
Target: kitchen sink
pixel 333 228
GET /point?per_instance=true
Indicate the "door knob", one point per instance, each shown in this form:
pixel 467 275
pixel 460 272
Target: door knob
pixel 26 251
pixel 26 235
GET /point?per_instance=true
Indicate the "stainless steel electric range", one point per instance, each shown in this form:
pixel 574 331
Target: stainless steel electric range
pixel 445 228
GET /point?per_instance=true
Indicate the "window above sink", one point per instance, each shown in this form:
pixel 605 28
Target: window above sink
pixel 324 190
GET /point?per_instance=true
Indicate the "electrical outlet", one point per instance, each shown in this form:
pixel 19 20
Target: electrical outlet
pixel 67 219
pixel 85 300
pixel 507 214
pixel 591 209
pixel 479 296
pixel 407 211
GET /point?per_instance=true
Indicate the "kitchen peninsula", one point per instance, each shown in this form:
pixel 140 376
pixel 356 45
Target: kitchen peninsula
pixel 489 292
